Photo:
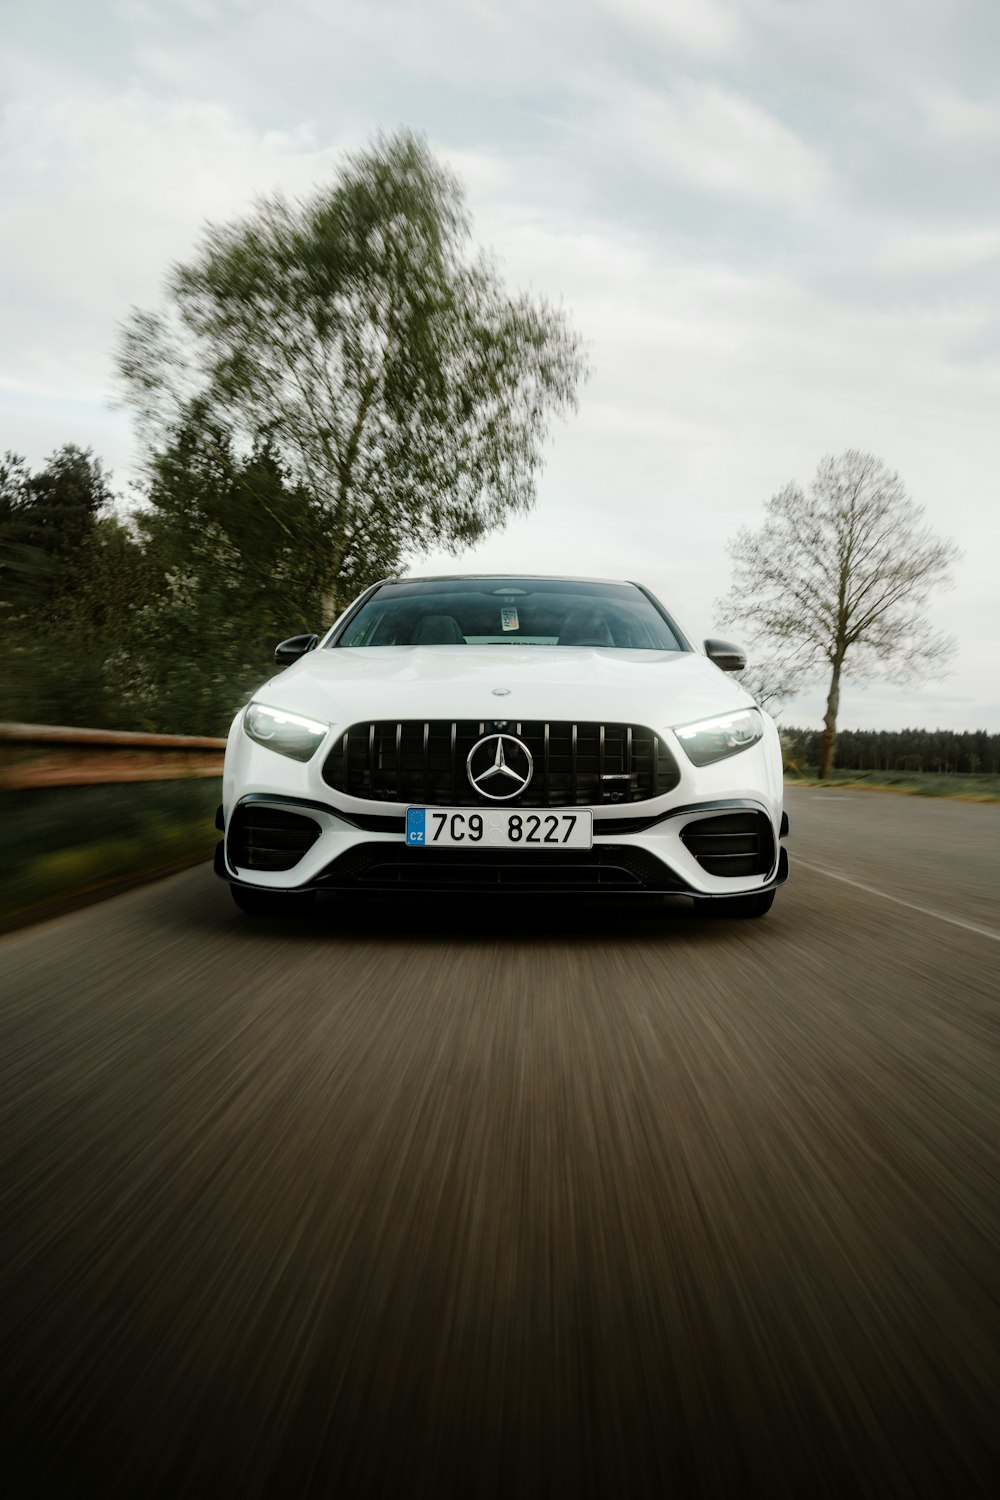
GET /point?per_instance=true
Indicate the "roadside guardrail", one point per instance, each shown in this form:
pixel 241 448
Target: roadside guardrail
pixel 36 756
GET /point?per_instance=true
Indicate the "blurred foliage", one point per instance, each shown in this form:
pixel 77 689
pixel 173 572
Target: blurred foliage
pixel 59 843
pixel 162 623
pixel 233 548
pixel 70 573
pixel 402 393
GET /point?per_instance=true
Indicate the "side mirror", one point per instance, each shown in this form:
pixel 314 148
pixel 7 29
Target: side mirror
pixel 293 648
pixel 726 656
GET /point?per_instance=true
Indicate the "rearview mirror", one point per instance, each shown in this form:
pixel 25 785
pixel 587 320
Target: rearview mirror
pixel 296 646
pixel 730 658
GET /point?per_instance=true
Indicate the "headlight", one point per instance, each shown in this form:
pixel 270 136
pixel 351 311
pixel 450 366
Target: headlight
pixel 289 734
pixel 713 739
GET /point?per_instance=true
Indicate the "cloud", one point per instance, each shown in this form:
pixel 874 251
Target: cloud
pixel 128 183
pixel 381 56
pixel 894 49
pixel 718 141
pixel 703 27
pixel 955 120
pixel 944 253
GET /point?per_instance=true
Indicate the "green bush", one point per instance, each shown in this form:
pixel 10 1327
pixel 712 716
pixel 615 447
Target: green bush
pixel 67 840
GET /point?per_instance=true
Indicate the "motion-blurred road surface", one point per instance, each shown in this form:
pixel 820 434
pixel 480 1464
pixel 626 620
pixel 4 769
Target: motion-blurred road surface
pixel 501 1199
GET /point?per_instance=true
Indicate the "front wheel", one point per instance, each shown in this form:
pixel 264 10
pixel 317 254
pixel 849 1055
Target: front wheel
pixel 258 903
pixel 757 904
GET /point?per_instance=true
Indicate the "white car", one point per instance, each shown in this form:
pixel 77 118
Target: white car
pixel 504 734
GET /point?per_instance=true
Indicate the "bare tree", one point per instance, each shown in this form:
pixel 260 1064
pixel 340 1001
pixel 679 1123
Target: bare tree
pixel 842 573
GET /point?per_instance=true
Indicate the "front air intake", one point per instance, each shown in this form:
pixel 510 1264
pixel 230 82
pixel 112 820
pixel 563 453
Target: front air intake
pixel 733 844
pixel 268 838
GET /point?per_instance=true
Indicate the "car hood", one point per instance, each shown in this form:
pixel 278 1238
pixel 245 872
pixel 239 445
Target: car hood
pixel 657 688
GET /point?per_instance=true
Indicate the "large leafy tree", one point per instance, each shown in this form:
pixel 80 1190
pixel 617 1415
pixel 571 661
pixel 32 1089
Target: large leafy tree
pixel 837 580
pixel 399 384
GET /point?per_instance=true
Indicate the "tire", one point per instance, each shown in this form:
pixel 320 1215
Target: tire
pixel 756 905
pixel 257 903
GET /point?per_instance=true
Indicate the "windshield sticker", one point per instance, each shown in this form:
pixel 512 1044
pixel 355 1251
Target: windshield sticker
pixel 508 619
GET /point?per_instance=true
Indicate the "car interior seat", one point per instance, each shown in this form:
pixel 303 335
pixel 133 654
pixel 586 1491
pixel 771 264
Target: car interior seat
pixel 585 627
pixel 438 630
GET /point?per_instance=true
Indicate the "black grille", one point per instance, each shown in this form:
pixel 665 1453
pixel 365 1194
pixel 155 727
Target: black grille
pixel 575 765
pixel 736 844
pixel 395 867
pixel 269 838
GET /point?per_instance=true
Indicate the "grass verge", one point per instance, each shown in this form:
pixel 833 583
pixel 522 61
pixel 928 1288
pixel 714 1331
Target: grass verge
pixel 909 783
pixel 69 845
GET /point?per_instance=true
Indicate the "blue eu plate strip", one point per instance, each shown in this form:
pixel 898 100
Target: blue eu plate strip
pixel 416 819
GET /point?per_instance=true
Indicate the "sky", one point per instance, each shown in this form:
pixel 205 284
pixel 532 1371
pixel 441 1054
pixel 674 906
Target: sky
pixel 775 224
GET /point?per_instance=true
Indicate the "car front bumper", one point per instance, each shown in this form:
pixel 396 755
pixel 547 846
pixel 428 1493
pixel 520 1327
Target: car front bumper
pixel 656 860
pixel 336 842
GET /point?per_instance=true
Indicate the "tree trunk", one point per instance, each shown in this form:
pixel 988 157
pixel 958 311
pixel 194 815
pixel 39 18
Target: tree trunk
pixel 331 604
pixel 333 592
pixel 830 724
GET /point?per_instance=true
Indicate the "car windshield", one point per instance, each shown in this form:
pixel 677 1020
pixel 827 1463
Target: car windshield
pixel 510 612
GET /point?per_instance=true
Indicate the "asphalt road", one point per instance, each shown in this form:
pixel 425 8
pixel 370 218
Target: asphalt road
pixel 504 1200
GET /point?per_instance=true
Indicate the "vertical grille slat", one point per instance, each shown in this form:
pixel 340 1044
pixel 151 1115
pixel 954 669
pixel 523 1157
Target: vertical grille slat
pixel 427 763
pixel 454 763
pixel 574 753
pixel 545 766
pixel 575 764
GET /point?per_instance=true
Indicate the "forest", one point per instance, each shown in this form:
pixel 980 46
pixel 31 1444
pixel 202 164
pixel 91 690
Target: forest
pixel 972 752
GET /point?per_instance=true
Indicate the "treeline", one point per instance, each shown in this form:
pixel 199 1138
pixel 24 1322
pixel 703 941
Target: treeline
pixel 972 752
pixel 165 617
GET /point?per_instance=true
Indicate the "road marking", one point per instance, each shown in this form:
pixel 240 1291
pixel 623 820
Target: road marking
pixel 925 911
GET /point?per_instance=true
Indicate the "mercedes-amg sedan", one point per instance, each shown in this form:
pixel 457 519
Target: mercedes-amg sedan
pixel 509 734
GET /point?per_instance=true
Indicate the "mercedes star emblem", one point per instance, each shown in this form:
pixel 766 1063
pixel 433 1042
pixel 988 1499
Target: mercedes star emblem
pixel 501 762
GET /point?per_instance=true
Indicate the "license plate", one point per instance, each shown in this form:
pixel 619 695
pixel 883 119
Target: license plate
pixel 488 828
